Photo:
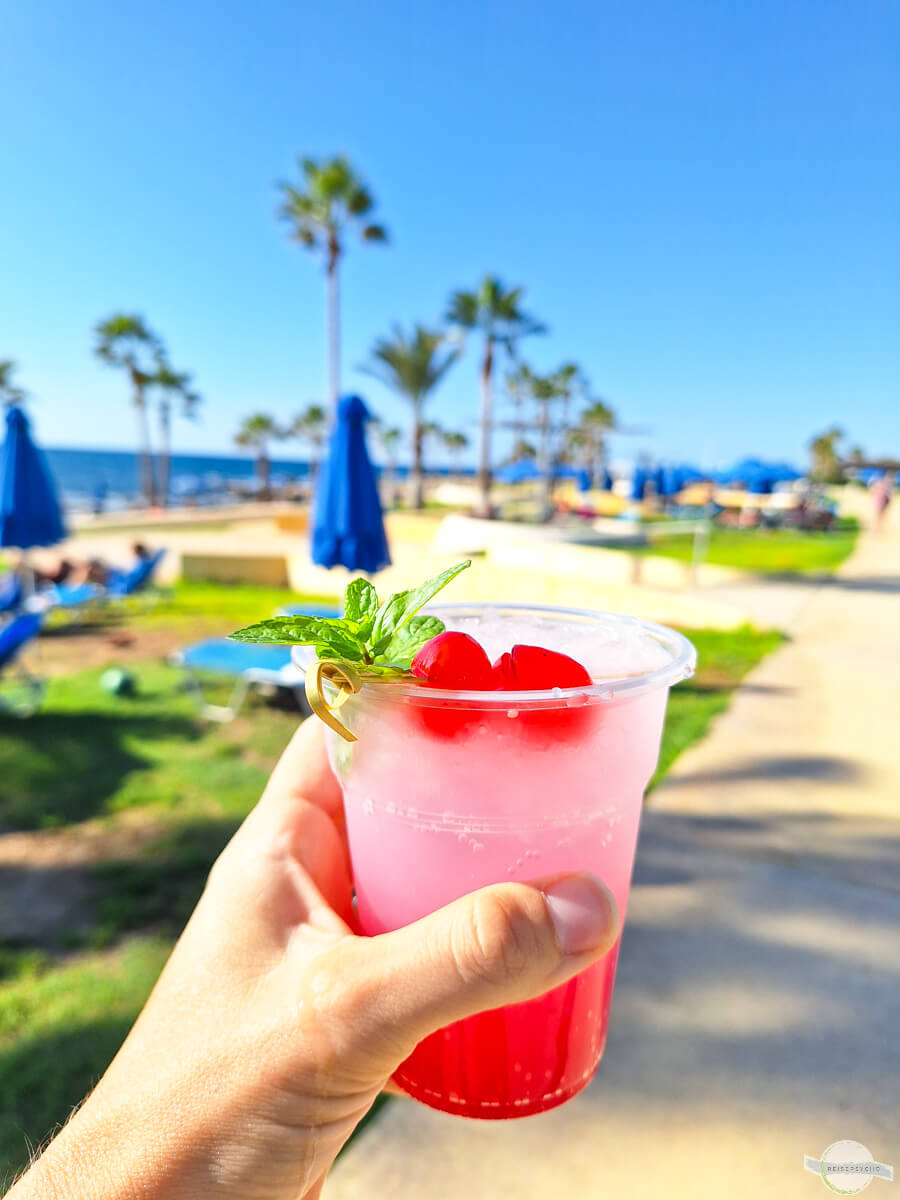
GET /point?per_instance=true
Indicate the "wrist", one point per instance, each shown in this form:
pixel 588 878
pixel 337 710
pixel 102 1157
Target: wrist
pixel 87 1160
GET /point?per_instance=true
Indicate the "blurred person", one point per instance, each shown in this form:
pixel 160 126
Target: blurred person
pixel 98 497
pixel 273 1027
pixel 881 490
pixel 51 576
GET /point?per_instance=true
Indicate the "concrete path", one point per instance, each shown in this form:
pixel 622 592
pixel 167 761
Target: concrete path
pixel 817 728
pixel 758 1000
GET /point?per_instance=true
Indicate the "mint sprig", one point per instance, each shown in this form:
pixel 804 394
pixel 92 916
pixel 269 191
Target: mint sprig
pixel 379 639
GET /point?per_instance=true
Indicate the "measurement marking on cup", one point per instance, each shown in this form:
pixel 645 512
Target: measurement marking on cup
pixel 465 824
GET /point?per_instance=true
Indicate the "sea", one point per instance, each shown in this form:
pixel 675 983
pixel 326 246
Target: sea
pixel 110 478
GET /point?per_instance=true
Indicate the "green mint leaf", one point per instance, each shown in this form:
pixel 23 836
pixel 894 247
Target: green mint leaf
pixel 380 670
pixel 336 637
pixel 361 606
pixel 406 643
pixel 400 608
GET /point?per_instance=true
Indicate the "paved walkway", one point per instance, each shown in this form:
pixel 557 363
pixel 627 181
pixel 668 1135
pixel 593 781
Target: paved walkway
pixel 758 1000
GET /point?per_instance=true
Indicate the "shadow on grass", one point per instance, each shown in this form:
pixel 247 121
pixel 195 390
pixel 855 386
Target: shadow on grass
pixel 62 767
pixel 58 908
pixel 159 890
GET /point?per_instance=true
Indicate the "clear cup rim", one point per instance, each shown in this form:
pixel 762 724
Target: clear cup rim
pixel 681 666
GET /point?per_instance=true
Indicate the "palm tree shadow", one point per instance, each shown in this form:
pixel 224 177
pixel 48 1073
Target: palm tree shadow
pixel 64 767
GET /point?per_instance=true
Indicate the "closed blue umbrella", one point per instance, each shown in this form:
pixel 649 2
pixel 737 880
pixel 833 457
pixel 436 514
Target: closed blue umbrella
pixel 348 527
pixel 29 508
pixel 606 480
pixel 578 475
pixel 639 483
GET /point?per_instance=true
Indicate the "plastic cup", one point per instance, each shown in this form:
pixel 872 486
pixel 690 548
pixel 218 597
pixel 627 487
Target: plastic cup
pixel 446 792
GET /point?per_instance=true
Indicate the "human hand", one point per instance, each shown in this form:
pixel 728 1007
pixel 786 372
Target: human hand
pixel 273 1027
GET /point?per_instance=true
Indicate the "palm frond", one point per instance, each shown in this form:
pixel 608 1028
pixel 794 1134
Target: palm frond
pixel 462 310
pixel 258 429
pixel 125 340
pixel 359 201
pixel 330 198
pixel 412 364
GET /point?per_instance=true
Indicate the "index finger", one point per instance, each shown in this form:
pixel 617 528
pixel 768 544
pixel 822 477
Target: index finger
pixel 303 773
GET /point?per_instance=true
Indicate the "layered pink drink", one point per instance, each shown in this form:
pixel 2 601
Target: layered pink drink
pixel 446 792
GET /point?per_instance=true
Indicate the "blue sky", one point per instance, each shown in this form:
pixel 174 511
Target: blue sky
pixel 700 198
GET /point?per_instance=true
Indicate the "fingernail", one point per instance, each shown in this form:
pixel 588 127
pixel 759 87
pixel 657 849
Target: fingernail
pixel 583 913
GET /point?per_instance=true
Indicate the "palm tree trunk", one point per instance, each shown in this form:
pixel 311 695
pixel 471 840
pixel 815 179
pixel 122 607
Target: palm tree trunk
pixel 416 481
pixel 334 328
pixel 263 473
pixel 145 457
pixel 313 474
pixel 487 420
pixel 165 450
pixel 547 463
pixel 598 457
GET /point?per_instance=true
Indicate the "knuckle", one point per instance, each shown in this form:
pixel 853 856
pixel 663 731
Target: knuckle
pixel 504 939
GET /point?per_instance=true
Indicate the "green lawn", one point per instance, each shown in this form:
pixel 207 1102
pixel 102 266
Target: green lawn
pixel 234 604
pixel 65 1005
pixel 88 753
pixel 724 658
pixel 775 550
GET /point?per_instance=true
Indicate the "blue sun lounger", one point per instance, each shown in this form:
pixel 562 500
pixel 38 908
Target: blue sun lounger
pixel 24 697
pixel 309 610
pixel 11 594
pixel 137 579
pixel 248 665
pixel 73 601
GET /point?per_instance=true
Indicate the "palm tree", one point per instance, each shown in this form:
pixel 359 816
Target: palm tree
pixel 496 312
pixel 522 448
pixel 413 364
pixel 311 426
pixel 545 391
pixel 390 437
pixel 516 383
pixel 256 433
pixel 432 432
pixel 455 443
pixel 124 340
pixel 826 458
pixel 330 199
pixel 170 385
pixel 589 436
pixel 569 382
pixel 10 393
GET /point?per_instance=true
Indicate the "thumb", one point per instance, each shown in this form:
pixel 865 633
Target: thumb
pixel 501 945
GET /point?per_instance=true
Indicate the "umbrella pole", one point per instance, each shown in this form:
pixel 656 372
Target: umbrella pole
pixel 29 581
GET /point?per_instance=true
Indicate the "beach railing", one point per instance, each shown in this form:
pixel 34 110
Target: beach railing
pixel 698 528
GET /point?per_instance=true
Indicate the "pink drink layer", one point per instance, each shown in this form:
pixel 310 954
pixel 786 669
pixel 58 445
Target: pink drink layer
pixel 444 797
